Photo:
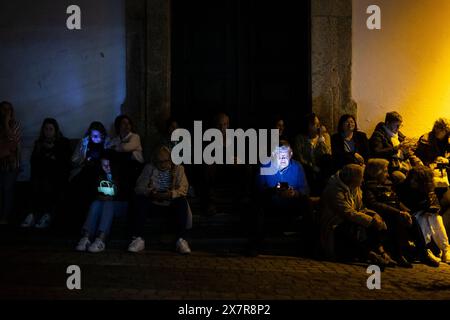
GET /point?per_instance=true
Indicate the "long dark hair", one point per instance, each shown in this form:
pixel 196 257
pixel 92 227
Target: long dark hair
pixel 440 124
pixel 54 123
pixel 307 121
pixel 118 121
pixel 342 120
pixel 4 104
pixel 97 126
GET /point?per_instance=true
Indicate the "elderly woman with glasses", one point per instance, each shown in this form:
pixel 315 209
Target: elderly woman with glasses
pixel 161 189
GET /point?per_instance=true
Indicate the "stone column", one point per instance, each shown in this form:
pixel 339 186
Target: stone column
pixel 331 60
pixel 148 67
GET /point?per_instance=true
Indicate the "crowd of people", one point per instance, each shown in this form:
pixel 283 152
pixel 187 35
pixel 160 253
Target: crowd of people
pixel 382 199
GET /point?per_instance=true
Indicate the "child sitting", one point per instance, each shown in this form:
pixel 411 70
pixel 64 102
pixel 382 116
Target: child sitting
pixel 109 203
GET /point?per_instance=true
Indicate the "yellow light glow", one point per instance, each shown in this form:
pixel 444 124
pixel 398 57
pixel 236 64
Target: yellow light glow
pixel 405 66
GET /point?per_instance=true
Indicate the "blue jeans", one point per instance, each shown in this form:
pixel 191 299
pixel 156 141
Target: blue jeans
pixel 101 215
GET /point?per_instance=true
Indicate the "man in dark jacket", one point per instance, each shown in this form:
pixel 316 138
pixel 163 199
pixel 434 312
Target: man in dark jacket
pixel 387 142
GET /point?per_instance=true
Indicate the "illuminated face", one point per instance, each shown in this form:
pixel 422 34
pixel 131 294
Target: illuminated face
pixel 163 162
pixel 49 131
pixel 283 159
pixel 440 134
pixel 96 137
pixel 349 125
pixel 280 126
pixel 314 127
pixel 394 126
pixel 106 166
pixel 125 127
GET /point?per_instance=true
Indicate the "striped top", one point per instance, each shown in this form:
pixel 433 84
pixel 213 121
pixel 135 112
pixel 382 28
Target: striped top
pixel 12 162
pixel 165 181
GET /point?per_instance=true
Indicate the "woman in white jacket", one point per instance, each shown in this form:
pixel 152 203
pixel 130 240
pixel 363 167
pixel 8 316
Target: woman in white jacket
pixel 129 157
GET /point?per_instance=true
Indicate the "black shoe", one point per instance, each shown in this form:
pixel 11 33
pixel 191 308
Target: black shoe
pixel 429 259
pixel 376 259
pixel 402 262
pixel 389 261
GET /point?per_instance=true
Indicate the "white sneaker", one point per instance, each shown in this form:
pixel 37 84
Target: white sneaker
pixel 97 246
pixel 182 246
pixel 44 223
pixel 83 244
pixel 29 221
pixel 137 245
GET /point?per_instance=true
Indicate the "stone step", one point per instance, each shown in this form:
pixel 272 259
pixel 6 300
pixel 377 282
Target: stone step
pixel 279 244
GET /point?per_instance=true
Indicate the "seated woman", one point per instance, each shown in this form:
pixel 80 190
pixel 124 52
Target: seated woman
pixel 129 157
pixel 85 163
pixel 348 228
pixel 110 202
pixel 50 165
pixel 417 193
pixel 433 149
pixel 434 146
pixel 388 142
pixel 87 153
pixel 312 149
pixel 162 189
pixel 378 195
pixel 349 145
pixel 10 150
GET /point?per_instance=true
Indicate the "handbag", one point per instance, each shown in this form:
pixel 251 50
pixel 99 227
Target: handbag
pixel 107 188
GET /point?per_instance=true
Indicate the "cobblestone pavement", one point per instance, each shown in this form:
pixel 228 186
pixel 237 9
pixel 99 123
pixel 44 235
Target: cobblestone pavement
pixel 39 272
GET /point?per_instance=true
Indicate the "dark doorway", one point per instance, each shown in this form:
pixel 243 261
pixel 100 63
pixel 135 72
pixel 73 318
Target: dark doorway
pixel 249 58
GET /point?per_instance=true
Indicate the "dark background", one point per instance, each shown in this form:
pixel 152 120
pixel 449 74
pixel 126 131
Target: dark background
pixel 250 59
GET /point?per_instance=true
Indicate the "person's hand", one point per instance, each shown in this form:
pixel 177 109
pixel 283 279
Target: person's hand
pixel 288 193
pixel 378 222
pixel 359 158
pixel 442 160
pixel 406 217
pixel 161 196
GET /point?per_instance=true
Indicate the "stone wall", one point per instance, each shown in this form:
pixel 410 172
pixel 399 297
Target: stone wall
pixel 331 60
pixel 148 63
pixel 148 67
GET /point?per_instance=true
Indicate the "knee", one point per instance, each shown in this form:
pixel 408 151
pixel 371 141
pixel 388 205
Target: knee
pixel 397 177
